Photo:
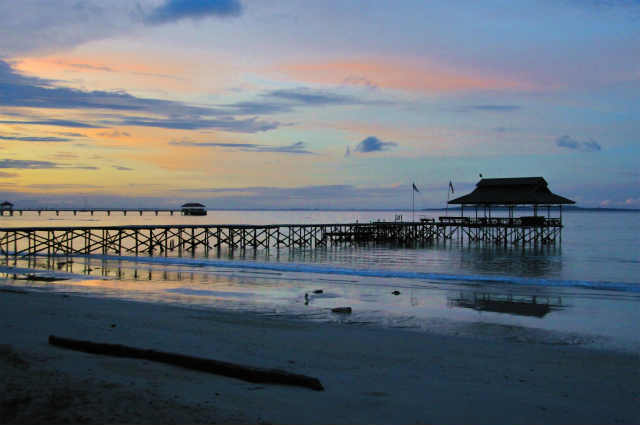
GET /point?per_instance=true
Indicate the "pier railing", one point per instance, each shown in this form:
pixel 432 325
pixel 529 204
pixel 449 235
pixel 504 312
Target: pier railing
pixel 502 221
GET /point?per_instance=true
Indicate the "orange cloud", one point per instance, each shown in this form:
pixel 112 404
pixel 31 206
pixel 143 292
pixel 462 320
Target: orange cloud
pixel 397 74
pixel 109 72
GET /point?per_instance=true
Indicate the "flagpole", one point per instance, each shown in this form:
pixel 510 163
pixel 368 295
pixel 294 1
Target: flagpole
pixel 447 206
pixel 413 197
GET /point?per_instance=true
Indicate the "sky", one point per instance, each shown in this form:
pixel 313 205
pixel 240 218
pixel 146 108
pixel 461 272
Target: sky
pixel 332 104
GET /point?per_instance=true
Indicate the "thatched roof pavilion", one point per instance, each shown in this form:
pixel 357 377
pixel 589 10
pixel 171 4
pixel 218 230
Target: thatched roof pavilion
pixel 512 191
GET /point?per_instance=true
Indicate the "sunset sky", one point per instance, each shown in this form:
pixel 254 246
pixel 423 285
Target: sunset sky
pixel 329 104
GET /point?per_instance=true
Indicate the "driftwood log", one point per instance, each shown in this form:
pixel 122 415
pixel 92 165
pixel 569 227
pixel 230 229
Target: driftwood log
pixel 232 370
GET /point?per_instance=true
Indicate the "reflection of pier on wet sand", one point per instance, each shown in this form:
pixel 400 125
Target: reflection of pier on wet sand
pixel 523 305
pixel 150 239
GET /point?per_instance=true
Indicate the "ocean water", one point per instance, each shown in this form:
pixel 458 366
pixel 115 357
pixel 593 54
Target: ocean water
pixel 582 290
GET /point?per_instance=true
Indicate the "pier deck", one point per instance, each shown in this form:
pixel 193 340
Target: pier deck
pixel 151 239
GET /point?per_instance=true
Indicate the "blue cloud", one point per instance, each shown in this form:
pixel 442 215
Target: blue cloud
pixel 175 10
pixel 287 100
pixel 251 125
pixel 373 144
pixel 54 122
pixel 26 164
pixel 312 97
pixel 298 148
pixel 489 108
pixel 35 139
pixel 570 143
pixel 258 108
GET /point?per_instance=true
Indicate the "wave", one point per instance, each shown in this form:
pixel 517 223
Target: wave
pixel 379 273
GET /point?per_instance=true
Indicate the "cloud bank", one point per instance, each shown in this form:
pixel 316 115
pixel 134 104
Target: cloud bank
pixel 22 91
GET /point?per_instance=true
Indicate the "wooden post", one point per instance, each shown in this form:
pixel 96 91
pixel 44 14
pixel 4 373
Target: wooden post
pixel 166 238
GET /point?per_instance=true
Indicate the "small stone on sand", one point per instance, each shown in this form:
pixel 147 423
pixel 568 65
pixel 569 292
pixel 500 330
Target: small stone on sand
pixel 342 310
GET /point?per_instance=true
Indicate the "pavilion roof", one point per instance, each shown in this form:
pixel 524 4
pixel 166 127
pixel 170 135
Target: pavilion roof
pixel 512 191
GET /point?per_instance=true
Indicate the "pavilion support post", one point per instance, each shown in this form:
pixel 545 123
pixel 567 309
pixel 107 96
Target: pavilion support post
pixel 560 214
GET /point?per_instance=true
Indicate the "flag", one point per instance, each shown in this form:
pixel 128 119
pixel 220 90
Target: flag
pixel 451 186
pixel 415 188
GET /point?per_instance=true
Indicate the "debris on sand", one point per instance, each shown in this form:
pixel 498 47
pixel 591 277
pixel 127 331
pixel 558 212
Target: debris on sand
pixel 39 278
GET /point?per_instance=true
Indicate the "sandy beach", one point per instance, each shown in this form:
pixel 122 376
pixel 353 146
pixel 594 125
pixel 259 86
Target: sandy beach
pixel 370 375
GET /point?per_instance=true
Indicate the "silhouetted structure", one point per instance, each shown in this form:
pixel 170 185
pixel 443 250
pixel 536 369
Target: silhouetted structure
pixel 512 192
pixel 6 206
pixel 193 208
pixel 509 193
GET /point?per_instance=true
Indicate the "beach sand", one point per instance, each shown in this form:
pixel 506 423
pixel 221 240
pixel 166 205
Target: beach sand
pixel 370 375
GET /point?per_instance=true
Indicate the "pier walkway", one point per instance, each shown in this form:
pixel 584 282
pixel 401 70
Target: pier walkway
pixel 162 239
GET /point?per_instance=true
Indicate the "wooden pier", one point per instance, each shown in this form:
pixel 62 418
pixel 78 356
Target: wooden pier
pixel 164 239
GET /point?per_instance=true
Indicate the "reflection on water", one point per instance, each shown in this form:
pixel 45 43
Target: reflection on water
pixel 523 305
pixel 462 307
pixel 539 261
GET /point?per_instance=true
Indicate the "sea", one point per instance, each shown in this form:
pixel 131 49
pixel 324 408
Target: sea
pixel 583 290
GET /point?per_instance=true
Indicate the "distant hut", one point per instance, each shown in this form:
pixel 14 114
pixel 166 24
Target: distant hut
pixel 511 193
pixel 6 206
pixel 193 208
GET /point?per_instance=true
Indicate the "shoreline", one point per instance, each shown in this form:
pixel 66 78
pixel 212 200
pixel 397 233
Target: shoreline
pixel 370 374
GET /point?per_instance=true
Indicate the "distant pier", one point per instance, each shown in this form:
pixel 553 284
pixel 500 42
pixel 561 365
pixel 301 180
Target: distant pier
pixel 91 211
pixel 164 239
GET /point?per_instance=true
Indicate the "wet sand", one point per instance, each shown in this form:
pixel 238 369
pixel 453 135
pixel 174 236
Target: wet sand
pixel 370 375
